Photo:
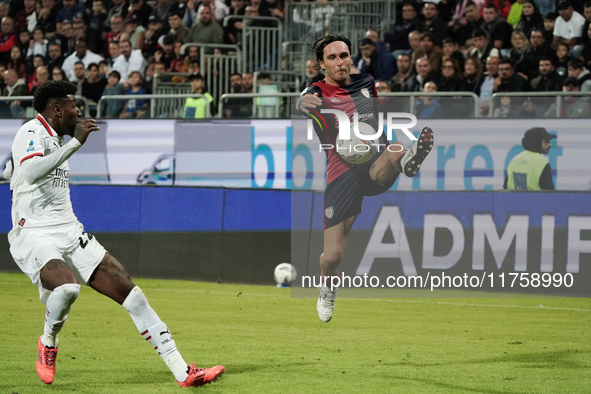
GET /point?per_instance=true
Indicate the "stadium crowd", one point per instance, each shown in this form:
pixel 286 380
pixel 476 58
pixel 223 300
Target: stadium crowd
pixel 112 47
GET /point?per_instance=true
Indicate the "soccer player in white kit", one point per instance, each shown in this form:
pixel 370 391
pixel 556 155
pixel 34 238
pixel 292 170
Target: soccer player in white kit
pixel 51 247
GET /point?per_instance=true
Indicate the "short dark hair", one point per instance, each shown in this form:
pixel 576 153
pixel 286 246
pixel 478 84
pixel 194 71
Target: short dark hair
pixel 91 65
pixel 115 74
pixel 450 40
pixel 322 42
pixel 470 3
pixel 491 5
pixel 576 63
pixel 80 63
pixel 587 4
pixel 508 61
pixel 479 33
pixel 367 41
pixel 233 74
pixel 548 58
pixel 52 90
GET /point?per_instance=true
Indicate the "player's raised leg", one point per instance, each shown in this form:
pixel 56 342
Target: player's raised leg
pixel 58 278
pixel 407 162
pixel 335 240
pixel 112 280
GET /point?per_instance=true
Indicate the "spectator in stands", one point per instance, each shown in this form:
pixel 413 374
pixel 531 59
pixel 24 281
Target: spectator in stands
pixel 586 52
pixel 141 10
pixel 399 80
pixel 433 24
pixel 568 28
pixel 15 86
pixel 451 50
pixel 80 55
pixel 549 22
pixel 40 44
pixel 207 30
pixel 119 8
pixel 397 35
pixel 177 65
pixel 451 77
pixel 313 74
pixel 508 80
pixel 429 49
pixel 571 106
pixel 177 29
pixel 414 41
pixel 56 59
pixel 133 32
pixel 66 38
pixel 38 61
pixel 58 74
pixel 472 73
pixel 113 108
pixel 237 107
pixel 17 62
pixel 382 87
pixel 576 68
pixel 428 107
pixel 196 108
pixel 2 71
pixel 93 86
pixel 539 49
pixel 8 39
pixel 134 108
pixel 166 54
pixel 26 19
pixel 116 23
pixel 185 9
pixel 503 7
pixel 586 40
pixel 129 60
pixel 234 29
pixel 484 87
pixel 482 49
pixel 48 13
pixel 563 59
pixel 104 69
pixel 42 76
pixel 218 9
pixel 520 54
pixel 423 75
pixel 530 18
pixel 152 35
pixel 496 27
pixel 114 53
pixel 4 12
pixel 549 80
pixel 70 11
pixel 380 65
pixel 80 76
pixel 463 31
pixel 97 32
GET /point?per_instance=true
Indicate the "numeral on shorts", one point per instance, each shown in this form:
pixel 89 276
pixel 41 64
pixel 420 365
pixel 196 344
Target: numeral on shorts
pixel 89 238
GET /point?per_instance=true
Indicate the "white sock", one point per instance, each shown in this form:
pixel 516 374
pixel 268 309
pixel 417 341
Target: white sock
pixel 57 309
pixel 155 331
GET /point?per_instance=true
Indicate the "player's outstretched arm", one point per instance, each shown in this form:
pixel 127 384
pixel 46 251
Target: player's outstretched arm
pixel 309 101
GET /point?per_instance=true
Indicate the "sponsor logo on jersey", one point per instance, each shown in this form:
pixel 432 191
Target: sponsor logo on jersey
pixel 335 100
pixel 31 146
pixel 38 263
pixel 329 212
pixel 365 92
pixel 22 222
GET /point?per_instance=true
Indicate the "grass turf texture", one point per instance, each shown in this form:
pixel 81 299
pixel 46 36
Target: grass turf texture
pixel 271 343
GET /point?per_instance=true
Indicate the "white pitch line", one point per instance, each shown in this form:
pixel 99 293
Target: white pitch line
pixel 386 300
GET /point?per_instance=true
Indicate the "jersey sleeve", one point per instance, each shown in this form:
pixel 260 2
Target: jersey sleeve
pixel 36 167
pixel 30 145
pixel 546 182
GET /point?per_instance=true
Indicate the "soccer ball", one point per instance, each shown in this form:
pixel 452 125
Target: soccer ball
pixel 284 274
pixel 356 150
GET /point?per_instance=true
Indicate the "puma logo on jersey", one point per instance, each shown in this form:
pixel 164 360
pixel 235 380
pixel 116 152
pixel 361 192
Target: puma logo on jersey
pixel 31 131
pixel 164 332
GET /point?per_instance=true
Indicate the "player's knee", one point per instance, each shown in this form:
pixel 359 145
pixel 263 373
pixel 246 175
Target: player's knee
pixel 68 291
pixel 332 258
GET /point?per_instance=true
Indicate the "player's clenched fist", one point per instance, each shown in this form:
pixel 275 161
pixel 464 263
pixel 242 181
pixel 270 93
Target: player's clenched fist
pixel 83 128
pixel 310 101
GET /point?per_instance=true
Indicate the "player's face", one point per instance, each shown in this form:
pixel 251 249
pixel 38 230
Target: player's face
pixel 70 115
pixel 337 62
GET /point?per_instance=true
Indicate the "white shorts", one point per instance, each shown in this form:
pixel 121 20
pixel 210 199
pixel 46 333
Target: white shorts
pixel 33 248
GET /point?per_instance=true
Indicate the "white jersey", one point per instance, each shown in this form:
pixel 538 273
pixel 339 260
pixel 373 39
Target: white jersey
pixel 39 182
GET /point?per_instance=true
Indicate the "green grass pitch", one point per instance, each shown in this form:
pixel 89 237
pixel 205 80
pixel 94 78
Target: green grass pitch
pixel 271 343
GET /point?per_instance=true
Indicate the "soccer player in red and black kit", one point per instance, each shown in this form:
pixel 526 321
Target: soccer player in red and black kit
pixel 347 184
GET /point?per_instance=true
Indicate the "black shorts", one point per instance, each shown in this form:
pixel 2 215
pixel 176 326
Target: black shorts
pixel 344 195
